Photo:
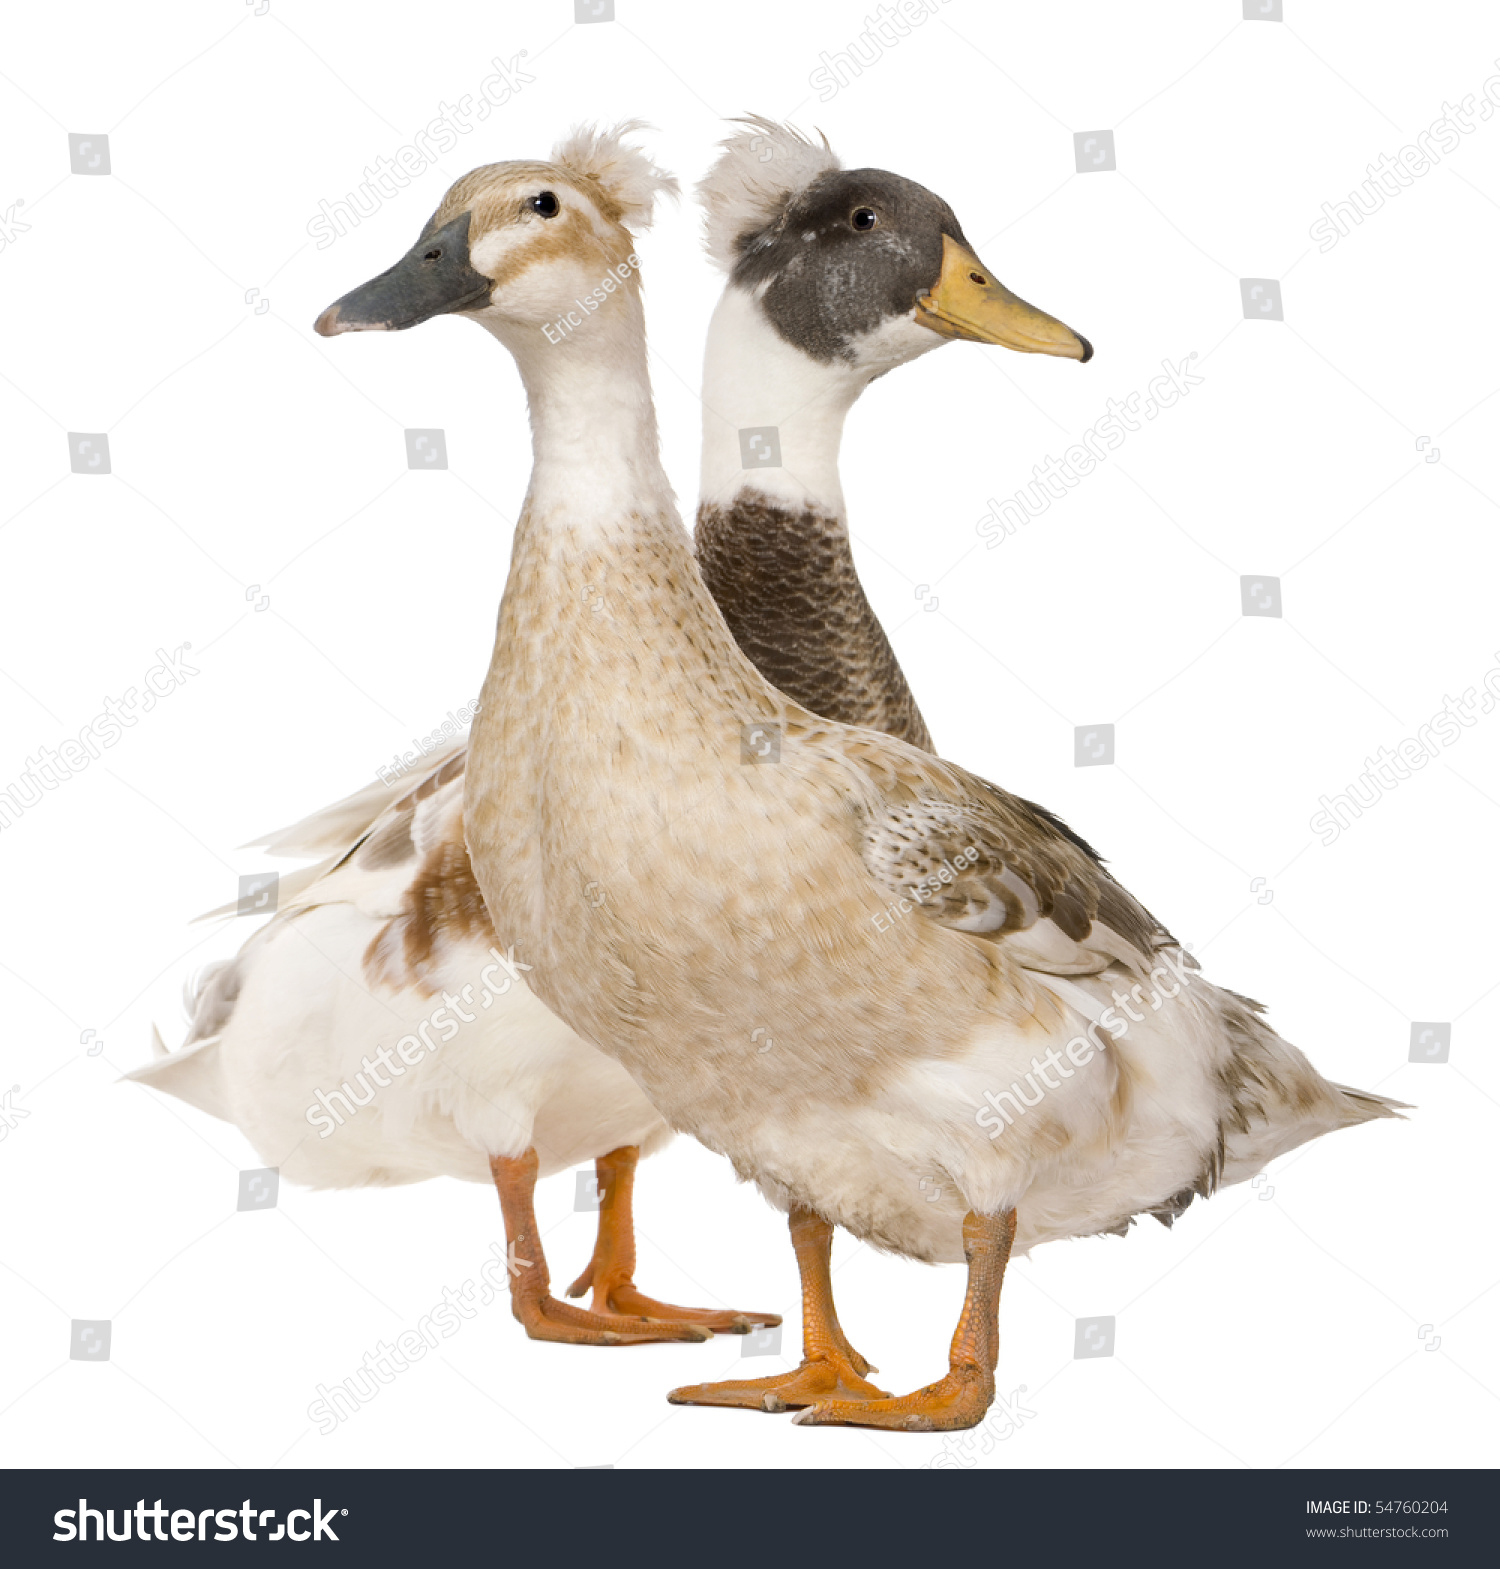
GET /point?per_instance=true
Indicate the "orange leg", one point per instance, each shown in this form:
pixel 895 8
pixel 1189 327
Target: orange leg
pixel 961 1398
pixel 831 1368
pixel 611 1271
pixel 531 1299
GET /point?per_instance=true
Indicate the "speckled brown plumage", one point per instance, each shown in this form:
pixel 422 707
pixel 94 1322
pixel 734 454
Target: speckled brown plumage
pixel 786 584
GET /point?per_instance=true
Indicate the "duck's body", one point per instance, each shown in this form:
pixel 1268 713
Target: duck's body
pixel 745 898
pixel 290 1039
pixel 832 961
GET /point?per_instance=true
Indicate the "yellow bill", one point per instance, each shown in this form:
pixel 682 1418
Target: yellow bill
pixel 968 301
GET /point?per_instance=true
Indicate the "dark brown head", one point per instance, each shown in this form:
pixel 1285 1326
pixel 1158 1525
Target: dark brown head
pixel 843 260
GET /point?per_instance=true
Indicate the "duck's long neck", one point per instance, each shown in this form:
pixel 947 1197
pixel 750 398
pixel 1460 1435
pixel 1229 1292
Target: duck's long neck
pixel 603 590
pixel 773 538
pixel 595 448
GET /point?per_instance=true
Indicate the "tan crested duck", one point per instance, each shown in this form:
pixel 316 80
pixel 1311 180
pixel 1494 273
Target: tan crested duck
pixel 982 1041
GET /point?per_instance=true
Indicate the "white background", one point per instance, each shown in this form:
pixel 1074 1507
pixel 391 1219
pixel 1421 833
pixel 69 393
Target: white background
pixel 1337 1313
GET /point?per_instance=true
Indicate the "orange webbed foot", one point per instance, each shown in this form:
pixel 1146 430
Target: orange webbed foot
pixel 610 1273
pixel 623 1297
pixel 540 1314
pixel 958 1400
pixel 961 1397
pixel 545 1318
pixel 819 1380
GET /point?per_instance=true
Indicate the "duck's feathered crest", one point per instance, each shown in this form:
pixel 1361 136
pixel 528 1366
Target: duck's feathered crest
pixel 760 167
pixel 625 176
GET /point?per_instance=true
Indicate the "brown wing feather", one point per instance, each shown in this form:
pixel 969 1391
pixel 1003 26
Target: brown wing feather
pixel 441 905
pixel 972 856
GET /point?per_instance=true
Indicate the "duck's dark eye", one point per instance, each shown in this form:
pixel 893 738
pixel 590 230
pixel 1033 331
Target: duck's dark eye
pixel 864 218
pixel 433 255
pixel 546 204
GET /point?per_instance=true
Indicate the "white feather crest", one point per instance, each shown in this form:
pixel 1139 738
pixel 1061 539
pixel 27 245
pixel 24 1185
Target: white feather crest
pixel 625 174
pixel 758 170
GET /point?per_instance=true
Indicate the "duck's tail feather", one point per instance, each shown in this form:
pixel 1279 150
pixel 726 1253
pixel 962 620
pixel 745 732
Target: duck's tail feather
pixel 333 829
pixel 1365 1105
pixel 289 887
pixel 193 1074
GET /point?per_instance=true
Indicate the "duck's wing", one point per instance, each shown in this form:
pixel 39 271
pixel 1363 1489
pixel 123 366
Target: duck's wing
pixel 970 856
pixel 335 828
pixel 411 912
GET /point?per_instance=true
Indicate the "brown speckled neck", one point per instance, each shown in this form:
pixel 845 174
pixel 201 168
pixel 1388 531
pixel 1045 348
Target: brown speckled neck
pixel 785 582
